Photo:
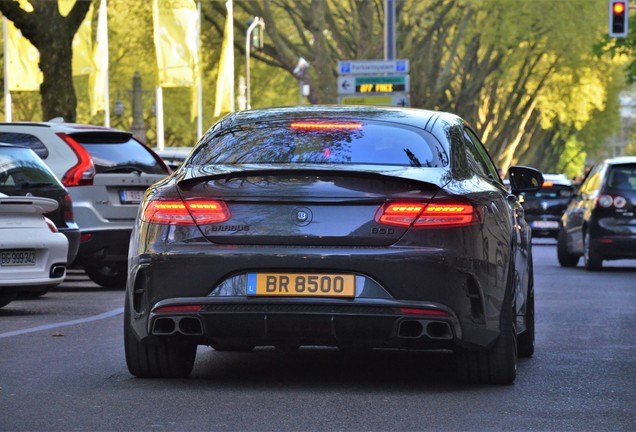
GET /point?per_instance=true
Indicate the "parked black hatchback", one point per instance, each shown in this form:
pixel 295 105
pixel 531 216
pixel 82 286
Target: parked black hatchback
pixel 545 207
pixel 600 223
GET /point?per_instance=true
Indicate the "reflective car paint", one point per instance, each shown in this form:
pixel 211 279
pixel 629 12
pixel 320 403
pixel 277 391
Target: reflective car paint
pixel 464 272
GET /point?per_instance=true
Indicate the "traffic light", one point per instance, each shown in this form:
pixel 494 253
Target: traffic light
pixel 618 18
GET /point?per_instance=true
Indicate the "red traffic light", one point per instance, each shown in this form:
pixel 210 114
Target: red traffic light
pixel 619 8
pixel 618 18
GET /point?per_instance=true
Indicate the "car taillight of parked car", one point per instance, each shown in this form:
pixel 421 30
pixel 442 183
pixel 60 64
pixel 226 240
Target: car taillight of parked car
pixel 83 172
pixel 607 201
pixel 69 216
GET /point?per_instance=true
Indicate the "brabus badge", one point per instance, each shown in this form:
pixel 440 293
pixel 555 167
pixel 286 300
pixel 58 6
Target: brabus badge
pixel 302 216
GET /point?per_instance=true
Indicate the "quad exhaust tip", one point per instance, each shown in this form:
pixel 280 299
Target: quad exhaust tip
pixel 414 329
pixel 188 326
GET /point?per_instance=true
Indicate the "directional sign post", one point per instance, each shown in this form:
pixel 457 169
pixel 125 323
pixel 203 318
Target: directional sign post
pixel 374 82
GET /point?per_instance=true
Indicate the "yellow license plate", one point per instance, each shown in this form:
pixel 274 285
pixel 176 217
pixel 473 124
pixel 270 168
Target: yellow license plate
pixel 301 284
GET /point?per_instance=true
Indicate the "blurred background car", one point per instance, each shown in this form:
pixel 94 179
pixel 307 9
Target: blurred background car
pixel 352 227
pixel 174 156
pixel 600 221
pixel 23 173
pixel 32 251
pixel 106 172
pixel 544 208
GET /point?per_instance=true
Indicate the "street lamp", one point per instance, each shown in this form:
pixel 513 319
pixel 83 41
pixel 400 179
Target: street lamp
pixel 300 72
pixel 256 22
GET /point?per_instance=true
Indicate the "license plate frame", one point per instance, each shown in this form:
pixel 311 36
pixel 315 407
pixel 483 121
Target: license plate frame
pixel 131 196
pixel 18 257
pixel 281 284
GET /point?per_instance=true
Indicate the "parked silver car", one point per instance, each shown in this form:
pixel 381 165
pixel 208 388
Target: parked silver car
pixel 106 171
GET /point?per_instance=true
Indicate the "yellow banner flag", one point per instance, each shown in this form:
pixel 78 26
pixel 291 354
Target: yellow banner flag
pixel 98 78
pixel 224 101
pixel 23 72
pixel 83 47
pixel 175 36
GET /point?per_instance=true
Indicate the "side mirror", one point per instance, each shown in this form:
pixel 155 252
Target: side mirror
pixel 524 179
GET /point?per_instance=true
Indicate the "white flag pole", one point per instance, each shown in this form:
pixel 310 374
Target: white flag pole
pixel 198 77
pixel 7 93
pixel 104 15
pixel 159 112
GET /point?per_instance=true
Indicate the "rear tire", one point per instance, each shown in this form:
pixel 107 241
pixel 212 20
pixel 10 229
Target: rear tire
pixel 592 260
pixel 525 341
pixel 112 275
pixel 497 365
pixel 160 358
pixel 566 259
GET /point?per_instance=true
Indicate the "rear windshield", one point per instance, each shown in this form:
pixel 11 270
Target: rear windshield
pixel 21 168
pixel 119 153
pixel 556 191
pixel 622 177
pixel 342 142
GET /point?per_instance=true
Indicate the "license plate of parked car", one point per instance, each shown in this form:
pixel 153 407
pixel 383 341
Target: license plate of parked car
pixel 545 224
pixel 300 284
pixel 17 257
pixel 131 196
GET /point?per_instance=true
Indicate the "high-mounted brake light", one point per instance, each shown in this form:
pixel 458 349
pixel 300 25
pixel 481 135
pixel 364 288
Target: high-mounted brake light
pixel 82 173
pixel 430 215
pixel 325 125
pixel 177 212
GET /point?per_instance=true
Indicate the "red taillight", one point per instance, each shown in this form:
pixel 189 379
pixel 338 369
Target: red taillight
pixel 325 125
pixel 82 173
pixel 177 212
pixel 431 312
pixel 607 201
pixel 548 184
pixel 84 237
pixel 69 216
pixel 182 308
pixel 50 224
pixel 434 214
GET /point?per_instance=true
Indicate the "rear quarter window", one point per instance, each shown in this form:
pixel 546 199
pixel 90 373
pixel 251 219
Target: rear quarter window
pixel 25 140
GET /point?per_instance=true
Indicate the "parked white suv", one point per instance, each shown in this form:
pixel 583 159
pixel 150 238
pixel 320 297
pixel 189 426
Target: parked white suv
pixel 106 172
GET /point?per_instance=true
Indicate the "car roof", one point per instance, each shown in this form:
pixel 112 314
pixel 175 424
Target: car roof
pixel 424 119
pixel 560 179
pixel 60 126
pixel 621 160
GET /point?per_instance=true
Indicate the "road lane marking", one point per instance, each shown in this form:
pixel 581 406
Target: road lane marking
pixel 101 316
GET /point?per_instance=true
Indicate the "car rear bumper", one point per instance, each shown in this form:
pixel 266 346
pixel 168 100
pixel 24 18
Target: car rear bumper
pixel 468 292
pixel 73 237
pixel 615 247
pixel 368 324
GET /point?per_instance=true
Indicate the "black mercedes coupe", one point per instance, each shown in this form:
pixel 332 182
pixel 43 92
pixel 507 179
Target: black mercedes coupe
pixel 339 226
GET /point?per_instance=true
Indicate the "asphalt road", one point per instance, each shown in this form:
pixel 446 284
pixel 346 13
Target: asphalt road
pixel 62 368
